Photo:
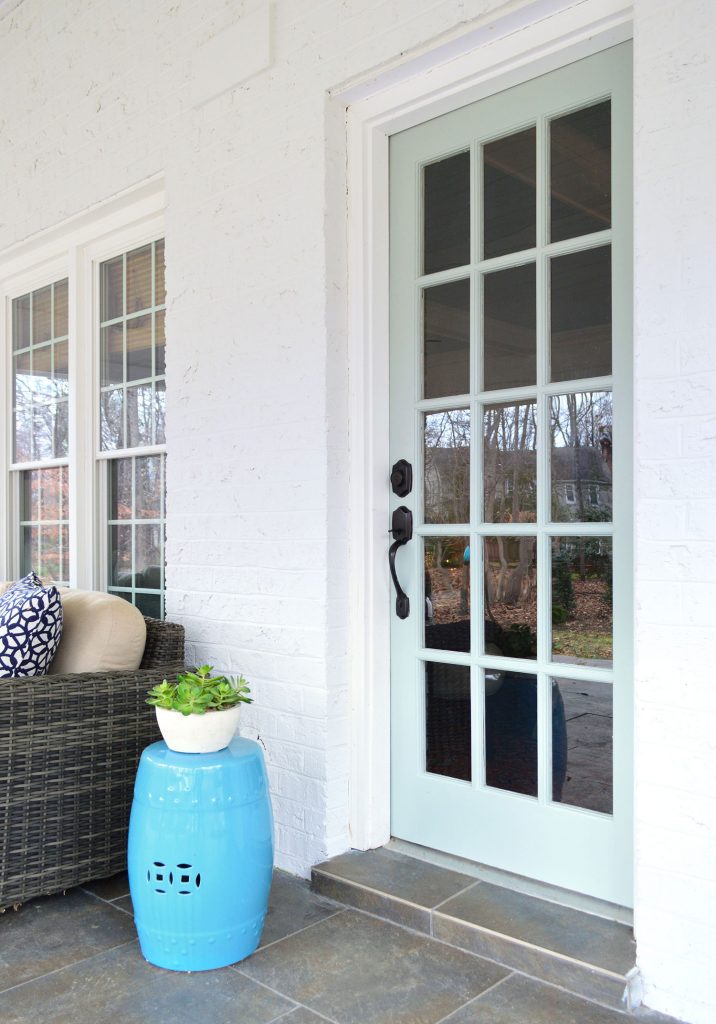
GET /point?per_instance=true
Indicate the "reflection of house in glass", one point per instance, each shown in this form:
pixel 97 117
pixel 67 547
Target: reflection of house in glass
pixel 582 482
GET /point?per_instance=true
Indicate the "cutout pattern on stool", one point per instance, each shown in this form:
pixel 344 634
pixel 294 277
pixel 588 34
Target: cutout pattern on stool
pixel 162 878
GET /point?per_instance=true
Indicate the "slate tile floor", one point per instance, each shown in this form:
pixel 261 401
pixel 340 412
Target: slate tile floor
pixel 74 959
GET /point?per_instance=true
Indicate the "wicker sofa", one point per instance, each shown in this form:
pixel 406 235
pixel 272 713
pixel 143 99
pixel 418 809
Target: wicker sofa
pixel 69 748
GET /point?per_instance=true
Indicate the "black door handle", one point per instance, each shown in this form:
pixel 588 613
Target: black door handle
pixel 402 531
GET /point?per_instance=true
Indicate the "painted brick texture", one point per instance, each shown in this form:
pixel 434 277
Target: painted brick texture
pixel 675 487
pixel 97 96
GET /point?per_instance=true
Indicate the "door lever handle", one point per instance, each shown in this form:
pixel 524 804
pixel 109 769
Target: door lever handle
pixel 402 531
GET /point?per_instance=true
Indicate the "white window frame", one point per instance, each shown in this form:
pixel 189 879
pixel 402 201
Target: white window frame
pixel 73 250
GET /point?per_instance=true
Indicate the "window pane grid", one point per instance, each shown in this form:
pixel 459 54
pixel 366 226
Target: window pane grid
pixel 40 374
pixel 136 541
pixel 44 523
pixel 132 401
pixel 543 467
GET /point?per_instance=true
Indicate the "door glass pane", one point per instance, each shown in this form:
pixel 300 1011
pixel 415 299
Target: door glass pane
pixel 447 466
pixel 447 593
pixel 509 463
pixel 580 172
pixel 581 312
pixel 510 352
pixel 509 206
pixel 582 600
pixel 446 344
pixel 447 719
pixel 511 596
pixel 446 240
pixel 511 733
pixel 582 744
pixel 581 434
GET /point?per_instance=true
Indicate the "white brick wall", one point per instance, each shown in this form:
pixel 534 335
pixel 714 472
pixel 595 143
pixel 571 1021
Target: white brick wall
pixel 96 96
pixel 675 153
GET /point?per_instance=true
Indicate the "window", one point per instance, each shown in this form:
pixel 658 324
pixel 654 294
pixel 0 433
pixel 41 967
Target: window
pixel 569 494
pixel 84 353
pixel 40 388
pixel 132 403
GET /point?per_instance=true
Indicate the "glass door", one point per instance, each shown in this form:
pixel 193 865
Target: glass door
pixel 510 398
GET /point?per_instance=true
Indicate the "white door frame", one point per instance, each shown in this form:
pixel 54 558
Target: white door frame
pixel 523 39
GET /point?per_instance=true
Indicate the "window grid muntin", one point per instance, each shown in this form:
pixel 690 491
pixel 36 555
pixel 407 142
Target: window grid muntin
pixel 30 349
pixel 62 523
pixel 132 452
pixel 544 529
pixel 126 318
pixel 133 522
pixel 57 460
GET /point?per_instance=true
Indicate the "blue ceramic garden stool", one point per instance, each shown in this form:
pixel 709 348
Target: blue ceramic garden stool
pixel 200 855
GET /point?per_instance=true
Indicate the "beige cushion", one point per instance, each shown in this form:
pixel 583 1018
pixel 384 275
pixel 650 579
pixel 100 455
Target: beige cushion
pixel 101 633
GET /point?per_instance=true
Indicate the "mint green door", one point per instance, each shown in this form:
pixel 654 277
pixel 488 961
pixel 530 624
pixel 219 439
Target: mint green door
pixel 511 720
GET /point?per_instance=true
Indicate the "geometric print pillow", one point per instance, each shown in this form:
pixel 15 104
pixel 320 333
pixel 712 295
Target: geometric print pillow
pixel 30 628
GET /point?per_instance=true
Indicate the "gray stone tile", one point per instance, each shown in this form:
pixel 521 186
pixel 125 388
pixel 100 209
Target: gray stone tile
pixel 292 906
pixel 301 1016
pixel 589 982
pixel 388 907
pixel 520 1000
pixel 573 933
pixel 359 970
pixel 125 904
pixel 119 985
pixel 55 931
pixel 110 888
pixel 394 874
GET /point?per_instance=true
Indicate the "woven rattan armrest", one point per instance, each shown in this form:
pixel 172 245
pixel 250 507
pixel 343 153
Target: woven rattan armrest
pixel 69 748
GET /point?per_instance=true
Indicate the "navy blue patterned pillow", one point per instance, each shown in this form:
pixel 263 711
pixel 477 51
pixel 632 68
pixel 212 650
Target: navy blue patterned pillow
pixel 30 628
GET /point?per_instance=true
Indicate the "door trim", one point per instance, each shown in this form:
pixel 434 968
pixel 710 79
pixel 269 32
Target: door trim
pixel 530 40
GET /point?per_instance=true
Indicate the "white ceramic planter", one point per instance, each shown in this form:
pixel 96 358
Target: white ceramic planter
pixel 198 734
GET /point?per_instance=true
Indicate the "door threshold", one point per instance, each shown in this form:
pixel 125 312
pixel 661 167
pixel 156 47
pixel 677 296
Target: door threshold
pixel 518 883
pixel 483 912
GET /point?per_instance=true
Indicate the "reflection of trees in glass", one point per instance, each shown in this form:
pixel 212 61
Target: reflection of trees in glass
pixel 40 417
pixel 581 439
pixel 44 519
pixel 447 466
pixel 510 435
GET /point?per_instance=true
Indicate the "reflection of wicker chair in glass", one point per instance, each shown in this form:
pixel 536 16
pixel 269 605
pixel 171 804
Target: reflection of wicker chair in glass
pixel 510 719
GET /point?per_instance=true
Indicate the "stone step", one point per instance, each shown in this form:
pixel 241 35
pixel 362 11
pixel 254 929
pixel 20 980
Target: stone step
pixel 588 955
